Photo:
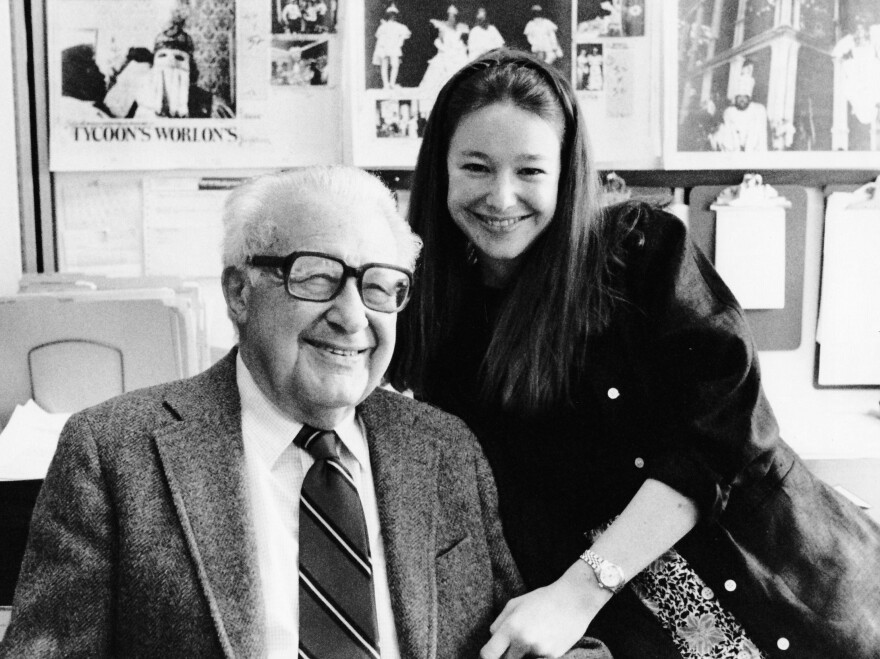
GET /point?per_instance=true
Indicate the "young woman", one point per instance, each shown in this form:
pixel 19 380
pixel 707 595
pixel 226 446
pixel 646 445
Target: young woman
pixel 614 385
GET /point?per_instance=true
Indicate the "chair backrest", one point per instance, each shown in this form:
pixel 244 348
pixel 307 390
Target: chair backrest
pixel 70 349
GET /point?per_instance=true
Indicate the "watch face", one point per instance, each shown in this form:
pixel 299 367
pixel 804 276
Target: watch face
pixel 610 575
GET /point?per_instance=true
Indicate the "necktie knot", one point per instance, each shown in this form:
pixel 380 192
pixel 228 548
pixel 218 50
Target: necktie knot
pixel 321 444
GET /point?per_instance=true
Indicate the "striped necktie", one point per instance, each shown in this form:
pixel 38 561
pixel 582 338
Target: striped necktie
pixel 337 613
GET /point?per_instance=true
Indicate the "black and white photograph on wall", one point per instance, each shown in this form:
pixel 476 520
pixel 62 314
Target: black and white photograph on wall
pixel 770 77
pixel 304 16
pixel 187 84
pixel 590 68
pixel 141 83
pixel 399 118
pixel 416 45
pixel 177 66
pixel 299 62
pixel 610 18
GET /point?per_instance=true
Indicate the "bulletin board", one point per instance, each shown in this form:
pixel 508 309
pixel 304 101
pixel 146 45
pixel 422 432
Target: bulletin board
pixel 401 53
pixel 774 329
pixel 162 84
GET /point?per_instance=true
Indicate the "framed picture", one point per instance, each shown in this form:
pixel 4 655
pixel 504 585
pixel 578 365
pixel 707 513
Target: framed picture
pixel 167 84
pixel 767 84
pixel 408 49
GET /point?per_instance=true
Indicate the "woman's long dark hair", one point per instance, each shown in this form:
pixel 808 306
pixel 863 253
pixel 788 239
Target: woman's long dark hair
pixel 558 297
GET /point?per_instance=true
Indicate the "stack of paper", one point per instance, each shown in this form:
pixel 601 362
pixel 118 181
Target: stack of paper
pixel 28 442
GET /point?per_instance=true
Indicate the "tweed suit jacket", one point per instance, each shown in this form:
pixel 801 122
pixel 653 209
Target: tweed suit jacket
pixel 142 544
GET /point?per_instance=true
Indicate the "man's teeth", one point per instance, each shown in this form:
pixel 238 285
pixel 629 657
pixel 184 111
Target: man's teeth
pixel 339 351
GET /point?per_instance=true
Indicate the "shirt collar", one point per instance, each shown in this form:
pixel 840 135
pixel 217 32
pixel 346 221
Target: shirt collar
pixel 274 431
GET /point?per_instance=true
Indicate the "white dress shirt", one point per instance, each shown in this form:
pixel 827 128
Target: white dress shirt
pixel 275 472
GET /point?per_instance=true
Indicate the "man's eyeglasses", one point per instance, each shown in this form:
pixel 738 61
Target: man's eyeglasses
pixel 318 277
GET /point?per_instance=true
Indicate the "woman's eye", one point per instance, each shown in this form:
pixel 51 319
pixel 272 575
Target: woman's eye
pixel 531 171
pixel 474 167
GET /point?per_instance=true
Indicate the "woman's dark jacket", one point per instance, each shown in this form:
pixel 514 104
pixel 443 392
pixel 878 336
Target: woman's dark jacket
pixel 672 391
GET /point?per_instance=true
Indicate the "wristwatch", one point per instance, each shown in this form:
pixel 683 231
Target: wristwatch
pixel 608 575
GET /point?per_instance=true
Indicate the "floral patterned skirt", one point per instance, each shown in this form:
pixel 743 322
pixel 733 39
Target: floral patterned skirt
pixel 688 609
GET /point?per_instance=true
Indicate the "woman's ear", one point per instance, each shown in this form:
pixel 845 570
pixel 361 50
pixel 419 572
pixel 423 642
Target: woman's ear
pixel 236 289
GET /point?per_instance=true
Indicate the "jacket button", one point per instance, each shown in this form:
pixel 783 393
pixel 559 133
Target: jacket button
pixel 613 393
pixel 639 463
pixel 782 643
pixel 730 585
pixel 707 593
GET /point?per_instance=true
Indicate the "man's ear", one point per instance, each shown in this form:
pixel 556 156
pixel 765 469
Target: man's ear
pixel 236 289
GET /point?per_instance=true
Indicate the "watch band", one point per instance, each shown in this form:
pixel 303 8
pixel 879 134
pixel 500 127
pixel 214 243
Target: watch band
pixel 608 575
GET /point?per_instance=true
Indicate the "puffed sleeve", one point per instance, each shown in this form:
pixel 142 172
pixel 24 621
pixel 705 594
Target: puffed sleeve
pixel 62 602
pixel 700 365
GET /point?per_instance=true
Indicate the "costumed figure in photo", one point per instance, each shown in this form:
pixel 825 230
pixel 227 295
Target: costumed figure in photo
pixel 408 124
pixel 743 124
pixel 614 383
pixel 484 36
pixel 165 85
pixel 291 16
pixel 82 85
pixel 541 33
pixel 860 53
pixel 297 73
pixel 613 20
pixel 580 63
pixel 595 70
pixel 314 14
pixel 451 54
pixel 390 36
pixel 318 68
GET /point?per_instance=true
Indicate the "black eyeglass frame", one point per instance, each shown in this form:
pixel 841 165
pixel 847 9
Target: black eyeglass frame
pixel 285 263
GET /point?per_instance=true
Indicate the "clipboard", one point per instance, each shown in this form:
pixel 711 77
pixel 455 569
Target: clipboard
pixel 848 333
pixel 774 329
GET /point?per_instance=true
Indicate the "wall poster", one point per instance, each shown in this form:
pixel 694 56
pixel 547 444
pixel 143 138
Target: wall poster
pixel 408 49
pixel 196 84
pixel 616 77
pixel 766 84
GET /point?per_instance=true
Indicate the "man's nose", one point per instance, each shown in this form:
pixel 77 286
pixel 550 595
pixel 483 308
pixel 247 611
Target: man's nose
pixel 503 191
pixel 347 310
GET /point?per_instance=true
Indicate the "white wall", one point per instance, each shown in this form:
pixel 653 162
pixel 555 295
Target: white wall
pixel 10 230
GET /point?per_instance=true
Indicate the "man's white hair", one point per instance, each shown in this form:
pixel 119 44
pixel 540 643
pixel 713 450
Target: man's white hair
pixel 256 213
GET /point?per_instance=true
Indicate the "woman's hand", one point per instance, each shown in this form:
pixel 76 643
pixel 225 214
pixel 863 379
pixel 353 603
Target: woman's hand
pixel 548 621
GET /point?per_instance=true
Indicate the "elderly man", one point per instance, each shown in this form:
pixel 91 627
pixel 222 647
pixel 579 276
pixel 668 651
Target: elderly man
pixel 278 500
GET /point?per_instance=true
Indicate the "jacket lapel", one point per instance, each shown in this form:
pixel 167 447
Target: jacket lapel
pixel 203 458
pixel 404 470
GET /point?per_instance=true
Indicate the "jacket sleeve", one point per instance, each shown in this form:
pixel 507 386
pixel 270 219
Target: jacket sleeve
pixel 63 599
pixel 701 368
